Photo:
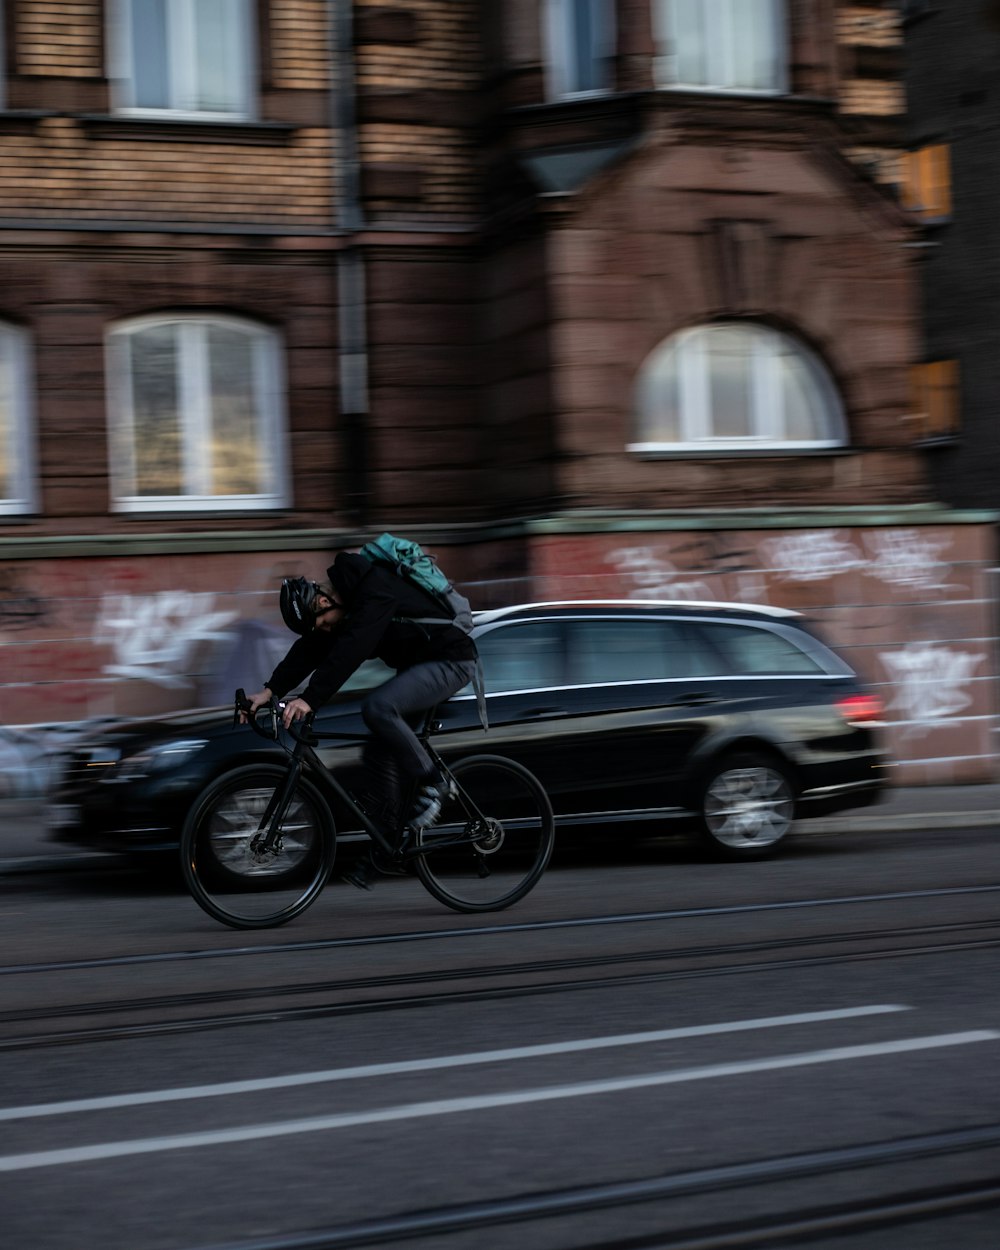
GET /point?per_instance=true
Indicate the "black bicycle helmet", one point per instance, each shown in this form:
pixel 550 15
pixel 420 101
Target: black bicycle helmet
pixel 298 595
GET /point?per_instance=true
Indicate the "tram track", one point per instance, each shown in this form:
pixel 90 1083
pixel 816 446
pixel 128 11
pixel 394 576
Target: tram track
pixel 893 1205
pixel 480 930
pixel 772 1150
pixel 352 994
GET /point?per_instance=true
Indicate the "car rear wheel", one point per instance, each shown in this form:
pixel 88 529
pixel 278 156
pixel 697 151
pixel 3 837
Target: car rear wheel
pixel 747 806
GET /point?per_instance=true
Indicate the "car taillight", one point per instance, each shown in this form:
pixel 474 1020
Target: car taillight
pixel 860 707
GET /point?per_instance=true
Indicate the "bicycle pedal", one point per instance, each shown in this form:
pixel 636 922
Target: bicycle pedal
pixel 389 866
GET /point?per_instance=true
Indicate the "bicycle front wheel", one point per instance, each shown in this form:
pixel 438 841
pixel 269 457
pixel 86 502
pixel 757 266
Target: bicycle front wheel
pixel 492 841
pixel 230 874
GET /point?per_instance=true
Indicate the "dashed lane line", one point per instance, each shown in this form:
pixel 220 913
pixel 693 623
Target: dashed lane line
pixel 480 1102
pixel 507 1055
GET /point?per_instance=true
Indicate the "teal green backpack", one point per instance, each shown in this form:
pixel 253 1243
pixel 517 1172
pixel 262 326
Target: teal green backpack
pixel 408 560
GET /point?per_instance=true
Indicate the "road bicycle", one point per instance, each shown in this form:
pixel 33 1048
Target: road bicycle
pixel 259 843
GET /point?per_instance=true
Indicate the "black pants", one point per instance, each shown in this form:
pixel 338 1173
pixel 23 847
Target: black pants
pixel 393 755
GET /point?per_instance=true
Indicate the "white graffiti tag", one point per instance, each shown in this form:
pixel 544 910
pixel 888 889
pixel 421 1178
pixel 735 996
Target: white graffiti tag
pixel 813 556
pixel 654 576
pixel 154 636
pixel 908 558
pixel 929 681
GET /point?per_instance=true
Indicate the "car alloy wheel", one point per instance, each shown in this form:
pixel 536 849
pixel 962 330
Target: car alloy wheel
pixel 747 806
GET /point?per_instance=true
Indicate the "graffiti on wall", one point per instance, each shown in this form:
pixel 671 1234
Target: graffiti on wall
pixel 909 558
pixel 930 683
pixel 155 636
pixel 811 557
pixel 904 558
pixel 898 557
pixel 652 576
pixel 930 680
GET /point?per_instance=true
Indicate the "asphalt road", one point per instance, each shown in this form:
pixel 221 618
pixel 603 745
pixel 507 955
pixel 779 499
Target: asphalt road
pixel 650 1050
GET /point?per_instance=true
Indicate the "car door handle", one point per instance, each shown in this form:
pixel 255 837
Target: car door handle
pixel 701 699
pixel 542 711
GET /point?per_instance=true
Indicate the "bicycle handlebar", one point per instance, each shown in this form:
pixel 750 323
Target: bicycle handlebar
pixel 273 709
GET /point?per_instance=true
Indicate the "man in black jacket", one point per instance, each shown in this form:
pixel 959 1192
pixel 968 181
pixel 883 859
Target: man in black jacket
pixel 368 611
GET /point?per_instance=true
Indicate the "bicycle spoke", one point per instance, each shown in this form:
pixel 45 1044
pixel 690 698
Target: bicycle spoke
pixel 230 871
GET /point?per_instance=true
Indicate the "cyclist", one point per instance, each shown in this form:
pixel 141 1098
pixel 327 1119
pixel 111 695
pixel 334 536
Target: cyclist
pixel 365 611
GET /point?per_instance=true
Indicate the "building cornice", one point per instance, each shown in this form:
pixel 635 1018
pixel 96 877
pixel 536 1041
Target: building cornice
pixel 588 521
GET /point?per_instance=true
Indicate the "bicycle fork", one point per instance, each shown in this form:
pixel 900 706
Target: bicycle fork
pixel 268 835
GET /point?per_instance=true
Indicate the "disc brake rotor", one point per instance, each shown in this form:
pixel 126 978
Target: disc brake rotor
pixel 488 836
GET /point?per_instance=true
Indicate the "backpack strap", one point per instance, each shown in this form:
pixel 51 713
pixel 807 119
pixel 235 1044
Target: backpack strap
pixel 479 686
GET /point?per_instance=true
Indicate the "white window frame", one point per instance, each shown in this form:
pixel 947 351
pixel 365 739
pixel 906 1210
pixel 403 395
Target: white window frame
pixel 766 395
pixel 15 347
pixel 181 43
pixel 269 385
pixel 562 71
pixel 719 48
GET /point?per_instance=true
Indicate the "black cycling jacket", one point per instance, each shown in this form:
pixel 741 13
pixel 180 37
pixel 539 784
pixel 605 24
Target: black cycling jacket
pixel 379 622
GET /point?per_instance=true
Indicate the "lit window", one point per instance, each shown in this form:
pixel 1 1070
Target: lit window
pixel 733 386
pixel 926 185
pixel 936 398
pixel 196 415
pixel 723 45
pixel 183 56
pixel 17 458
pixel 580 36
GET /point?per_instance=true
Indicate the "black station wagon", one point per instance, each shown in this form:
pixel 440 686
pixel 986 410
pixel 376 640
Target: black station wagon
pixel 730 719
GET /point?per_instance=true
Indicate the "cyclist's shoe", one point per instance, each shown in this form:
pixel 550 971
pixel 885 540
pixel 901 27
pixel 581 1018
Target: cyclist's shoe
pixel 426 807
pixel 361 873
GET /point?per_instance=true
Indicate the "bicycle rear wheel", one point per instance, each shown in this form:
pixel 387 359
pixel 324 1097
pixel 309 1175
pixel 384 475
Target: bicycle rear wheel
pixel 492 841
pixel 238 884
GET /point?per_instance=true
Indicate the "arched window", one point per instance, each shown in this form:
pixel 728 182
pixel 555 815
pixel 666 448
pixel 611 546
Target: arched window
pixel 17 435
pixel 197 415
pixel 736 386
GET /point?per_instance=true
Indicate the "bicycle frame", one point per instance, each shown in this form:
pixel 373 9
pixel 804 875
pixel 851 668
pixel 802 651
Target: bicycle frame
pixel 302 758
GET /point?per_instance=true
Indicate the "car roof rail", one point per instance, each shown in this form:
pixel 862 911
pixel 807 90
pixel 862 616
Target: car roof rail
pixel 489 615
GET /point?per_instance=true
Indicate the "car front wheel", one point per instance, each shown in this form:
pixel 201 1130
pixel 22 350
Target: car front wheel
pixel 747 806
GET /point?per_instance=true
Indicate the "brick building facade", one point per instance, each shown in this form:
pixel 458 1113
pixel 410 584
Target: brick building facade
pixel 953 60
pixel 477 271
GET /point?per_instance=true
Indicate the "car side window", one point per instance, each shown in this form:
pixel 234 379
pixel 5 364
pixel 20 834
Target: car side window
pixel 752 649
pixel 523 656
pixel 634 650
pixel 371 674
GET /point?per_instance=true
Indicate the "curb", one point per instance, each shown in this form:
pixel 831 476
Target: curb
pixel 915 823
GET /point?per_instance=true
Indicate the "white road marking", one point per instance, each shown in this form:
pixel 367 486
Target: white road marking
pixel 481 1102
pixel 111 1101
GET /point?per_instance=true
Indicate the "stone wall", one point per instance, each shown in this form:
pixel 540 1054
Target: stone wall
pixel 910 605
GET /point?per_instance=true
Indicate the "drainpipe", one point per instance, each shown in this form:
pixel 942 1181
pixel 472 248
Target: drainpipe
pixel 352 310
